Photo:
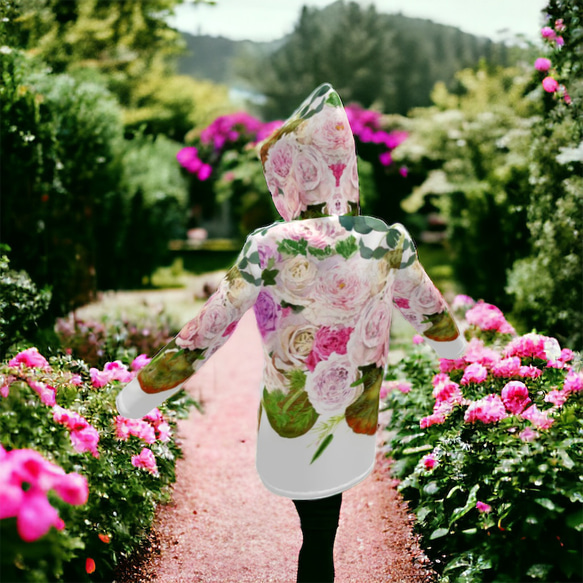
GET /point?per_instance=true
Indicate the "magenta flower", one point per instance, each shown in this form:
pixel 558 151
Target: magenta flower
pixel 25 480
pixel 418 339
pixel 386 159
pixel 140 362
pixel 326 341
pixel 404 171
pixel 137 427
pixel 560 41
pixel 474 373
pixel 30 358
pixel 488 317
pixel 483 507
pixel 515 397
pixel 573 382
pixel 45 392
pixel 429 461
pixel 146 461
pixel 527 346
pixel 542 64
pixel 84 437
pixel 447 365
pixel 540 419
pixel 490 409
pixel 548 32
pixel 550 85
pixel 528 434
pixel 433 419
pixel 557 397
pixel 508 367
pixel 462 302
pixel 99 378
pixel 530 372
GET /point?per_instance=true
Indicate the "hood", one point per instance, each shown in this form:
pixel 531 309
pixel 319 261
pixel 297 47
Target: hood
pixel 310 162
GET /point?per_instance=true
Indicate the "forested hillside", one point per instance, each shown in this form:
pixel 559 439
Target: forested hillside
pixel 387 60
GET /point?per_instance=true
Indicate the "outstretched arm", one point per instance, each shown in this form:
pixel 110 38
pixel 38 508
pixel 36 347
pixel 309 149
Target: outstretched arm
pixel 197 341
pixel 422 304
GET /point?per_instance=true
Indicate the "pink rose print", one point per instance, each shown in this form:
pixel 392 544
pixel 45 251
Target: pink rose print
pixel 267 312
pixel 327 341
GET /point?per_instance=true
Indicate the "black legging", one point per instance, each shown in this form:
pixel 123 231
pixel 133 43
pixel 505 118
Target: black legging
pixel 319 521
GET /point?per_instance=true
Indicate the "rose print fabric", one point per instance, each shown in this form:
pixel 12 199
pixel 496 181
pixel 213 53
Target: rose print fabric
pixel 322 285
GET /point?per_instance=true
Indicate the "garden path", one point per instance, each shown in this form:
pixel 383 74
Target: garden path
pixel 223 526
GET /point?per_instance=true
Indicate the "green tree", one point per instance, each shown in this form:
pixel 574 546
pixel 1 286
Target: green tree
pixel 474 148
pixel 547 286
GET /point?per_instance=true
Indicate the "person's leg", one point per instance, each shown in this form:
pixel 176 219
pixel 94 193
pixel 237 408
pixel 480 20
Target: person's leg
pixel 319 521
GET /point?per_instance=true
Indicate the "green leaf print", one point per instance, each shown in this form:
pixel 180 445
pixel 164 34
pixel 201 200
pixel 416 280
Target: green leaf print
pixel 393 237
pixel 409 262
pixel 297 379
pixel 320 253
pixel 347 222
pixel 362 415
pixel 347 247
pixel 291 247
pixel 268 276
pixel 327 441
pixel 254 257
pixel 290 415
pixel 294 307
pixel 443 327
pixel 365 252
pixel 168 369
pixel 334 99
pixel 249 278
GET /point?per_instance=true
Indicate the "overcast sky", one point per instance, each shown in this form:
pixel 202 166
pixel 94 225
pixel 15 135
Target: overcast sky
pixel 266 20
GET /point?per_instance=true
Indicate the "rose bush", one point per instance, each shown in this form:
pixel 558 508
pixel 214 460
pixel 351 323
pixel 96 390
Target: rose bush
pixel 79 484
pixel 488 450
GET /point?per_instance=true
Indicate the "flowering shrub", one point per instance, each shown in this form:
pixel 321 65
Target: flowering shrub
pixel 489 448
pixel 99 341
pixel 78 483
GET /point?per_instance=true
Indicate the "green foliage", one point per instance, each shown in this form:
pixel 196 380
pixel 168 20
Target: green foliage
pixel 493 502
pixel 122 498
pixel 59 140
pixel 554 302
pixel 474 148
pixel 22 305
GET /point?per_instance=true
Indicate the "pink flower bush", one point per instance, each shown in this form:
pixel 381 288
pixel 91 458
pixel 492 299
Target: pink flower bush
pixel 84 437
pixel 474 373
pixel 557 397
pixel 489 409
pixel 140 362
pixel 527 346
pixel 25 479
pixel 508 367
pixel 112 371
pixel 461 303
pixel 146 460
pixel 445 390
pixel 574 382
pixel 515 397
pixel 388 386
pixel 418 339
pixel 30 358
pixel 488 317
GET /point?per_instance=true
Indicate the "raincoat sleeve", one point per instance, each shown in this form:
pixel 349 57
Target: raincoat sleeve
pixel 197 341
pixel 421 303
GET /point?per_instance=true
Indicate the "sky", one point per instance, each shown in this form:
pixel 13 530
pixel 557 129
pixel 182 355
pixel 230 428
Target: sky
pixel 267 20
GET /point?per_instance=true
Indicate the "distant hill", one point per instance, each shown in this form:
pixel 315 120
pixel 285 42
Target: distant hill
pixel 423 52
pixel 215 57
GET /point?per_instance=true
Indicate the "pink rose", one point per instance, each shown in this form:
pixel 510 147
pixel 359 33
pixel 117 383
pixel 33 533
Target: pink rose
pixel 46 393
pixel 280 158
pixel 341 291
pixel 483 507
pixel 528 434
pixel 330 132
pixel 446 390
pixel 118 371
pixel 328 340
pixel 205 328
pixel 548 32
pixel 515 397
pixel 288 203
pixel 370 342
pixel 329 386
pixel 308 168
pixel 85 440
pixel 433 419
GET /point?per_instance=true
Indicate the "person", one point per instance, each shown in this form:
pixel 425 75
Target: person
pixel 322 284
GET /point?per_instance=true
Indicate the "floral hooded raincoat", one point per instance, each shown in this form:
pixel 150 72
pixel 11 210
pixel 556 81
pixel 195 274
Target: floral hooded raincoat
pixel 322 284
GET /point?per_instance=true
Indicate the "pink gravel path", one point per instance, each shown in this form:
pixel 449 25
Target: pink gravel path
pixel 225 527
